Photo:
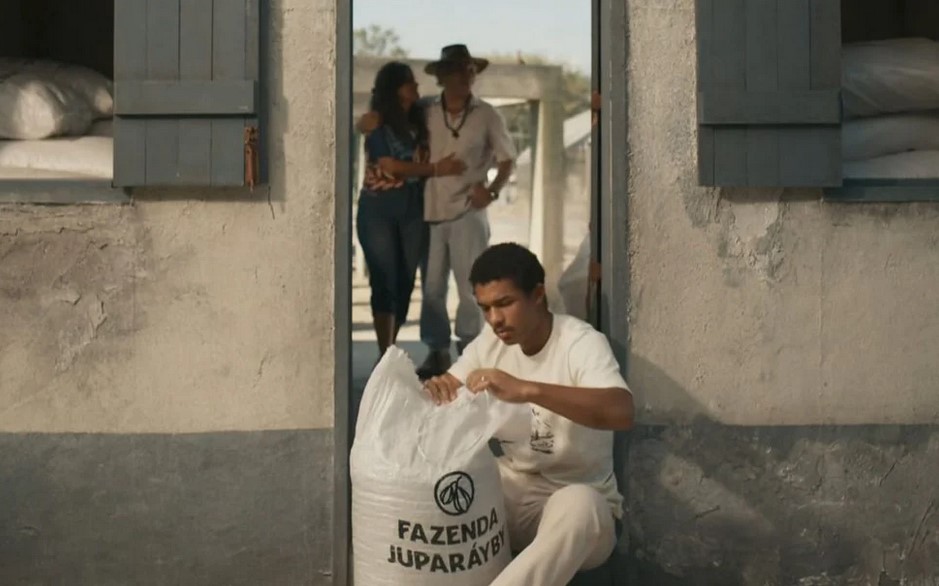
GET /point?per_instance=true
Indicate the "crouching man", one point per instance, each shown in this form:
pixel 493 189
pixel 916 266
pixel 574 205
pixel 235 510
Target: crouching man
pixel 557 467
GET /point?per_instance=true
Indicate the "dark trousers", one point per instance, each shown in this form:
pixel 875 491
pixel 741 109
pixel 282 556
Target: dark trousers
pixel 393 235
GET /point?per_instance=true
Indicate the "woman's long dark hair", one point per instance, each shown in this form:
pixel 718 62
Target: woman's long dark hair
pixel 410 127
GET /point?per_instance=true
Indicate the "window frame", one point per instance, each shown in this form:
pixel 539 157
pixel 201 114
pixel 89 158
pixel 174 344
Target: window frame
pixel 62 191
pixel 883 191
pixel 886 190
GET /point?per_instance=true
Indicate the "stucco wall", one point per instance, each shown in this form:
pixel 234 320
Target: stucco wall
pixel 765 325
pixel 186 311
pixel 166 367
pixel 759 306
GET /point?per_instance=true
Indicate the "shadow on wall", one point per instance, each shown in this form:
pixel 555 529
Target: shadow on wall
pixel 716 504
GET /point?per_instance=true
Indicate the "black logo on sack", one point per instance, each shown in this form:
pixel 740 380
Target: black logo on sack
pixel 454 493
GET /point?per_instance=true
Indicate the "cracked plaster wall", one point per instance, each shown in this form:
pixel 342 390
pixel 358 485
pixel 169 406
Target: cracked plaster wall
pixel 764 307
pixel 783 355
pixel 187 310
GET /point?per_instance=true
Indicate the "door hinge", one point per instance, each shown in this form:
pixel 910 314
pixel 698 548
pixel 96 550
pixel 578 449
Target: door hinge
pixel 252 156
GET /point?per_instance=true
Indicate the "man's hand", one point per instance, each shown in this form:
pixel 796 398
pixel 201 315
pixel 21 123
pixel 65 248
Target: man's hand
pixel 449 165
pixel 368 122
pixel 502 385
pixel 442 389
pixel 480 198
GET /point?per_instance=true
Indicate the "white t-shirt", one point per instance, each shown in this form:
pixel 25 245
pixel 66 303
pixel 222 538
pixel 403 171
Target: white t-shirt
pixel 561 451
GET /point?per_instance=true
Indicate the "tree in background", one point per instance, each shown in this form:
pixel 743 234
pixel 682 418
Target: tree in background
pixel 377 41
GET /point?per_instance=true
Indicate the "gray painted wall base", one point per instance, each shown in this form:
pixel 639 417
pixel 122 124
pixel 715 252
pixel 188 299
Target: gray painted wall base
pixel 710 504
pixel 223 508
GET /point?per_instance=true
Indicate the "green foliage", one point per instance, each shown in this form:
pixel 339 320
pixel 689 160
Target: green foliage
pixel 376 41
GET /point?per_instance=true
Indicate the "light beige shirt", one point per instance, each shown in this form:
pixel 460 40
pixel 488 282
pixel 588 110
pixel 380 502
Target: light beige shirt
pixel 483 141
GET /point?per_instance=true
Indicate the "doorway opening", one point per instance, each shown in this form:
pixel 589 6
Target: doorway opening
pixel 558 201
pixel 540 83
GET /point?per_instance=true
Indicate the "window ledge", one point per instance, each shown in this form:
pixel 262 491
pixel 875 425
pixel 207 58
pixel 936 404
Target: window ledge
pixel 884 191
pixel 57 191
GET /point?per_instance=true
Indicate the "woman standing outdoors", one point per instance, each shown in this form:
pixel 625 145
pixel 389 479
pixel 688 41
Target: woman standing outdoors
pixel 390 221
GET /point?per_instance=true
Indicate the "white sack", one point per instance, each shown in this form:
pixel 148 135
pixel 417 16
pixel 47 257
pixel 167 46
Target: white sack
pixel 427 504
pixel 911 165
pixel 895 75
pixel 867 138
pixel 34 107
pixel 91 156
pixel 95 88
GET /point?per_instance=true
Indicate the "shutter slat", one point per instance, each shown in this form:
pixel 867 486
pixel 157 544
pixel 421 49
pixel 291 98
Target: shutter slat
pixel 228 39
pixel 730 74
pixel 162 152
pixel 729 45
pixel 195 65
pixel 130 62
pixel 162 65
pixel 826 44
pixel 195 40
pixel 761 52
pixel 794 44
pixel 227 164
pixel 826 76
pixel 704 10
pixel 228 55
pixel 252 41
pixel 762 76
pixel 730 156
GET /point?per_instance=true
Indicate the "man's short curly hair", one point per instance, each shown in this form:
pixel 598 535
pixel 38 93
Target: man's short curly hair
pixel 508 261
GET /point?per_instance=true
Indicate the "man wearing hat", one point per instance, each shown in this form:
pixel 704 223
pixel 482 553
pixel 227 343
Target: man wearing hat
pixel 459 123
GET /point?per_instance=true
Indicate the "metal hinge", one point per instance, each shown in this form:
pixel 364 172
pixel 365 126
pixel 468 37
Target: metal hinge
pixel 252 156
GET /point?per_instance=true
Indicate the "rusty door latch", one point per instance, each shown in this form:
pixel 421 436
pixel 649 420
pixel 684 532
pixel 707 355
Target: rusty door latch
pixel 252 156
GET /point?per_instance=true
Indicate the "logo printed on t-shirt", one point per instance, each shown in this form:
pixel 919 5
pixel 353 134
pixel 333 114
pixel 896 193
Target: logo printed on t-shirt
pixel 542 438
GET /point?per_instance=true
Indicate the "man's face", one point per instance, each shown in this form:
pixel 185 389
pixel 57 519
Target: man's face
pixel 512 313
pixel 459 78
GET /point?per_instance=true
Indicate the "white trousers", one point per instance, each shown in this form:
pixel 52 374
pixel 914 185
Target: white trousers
pixel 559 531
pixel 454 245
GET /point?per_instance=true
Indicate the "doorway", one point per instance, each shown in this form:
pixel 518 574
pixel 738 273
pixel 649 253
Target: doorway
pixel 571 156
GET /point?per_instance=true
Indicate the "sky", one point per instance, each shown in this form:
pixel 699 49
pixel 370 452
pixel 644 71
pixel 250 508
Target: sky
pixel 556 29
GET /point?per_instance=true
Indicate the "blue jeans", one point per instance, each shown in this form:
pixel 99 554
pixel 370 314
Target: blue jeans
pixel 393 235
pixel 454 245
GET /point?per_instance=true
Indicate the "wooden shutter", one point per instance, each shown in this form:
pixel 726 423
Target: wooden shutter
pixel 769 100
pixel 185 90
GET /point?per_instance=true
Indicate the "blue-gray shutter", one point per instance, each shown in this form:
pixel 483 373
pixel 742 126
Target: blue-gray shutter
pixel 769 100
pixel 185 89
